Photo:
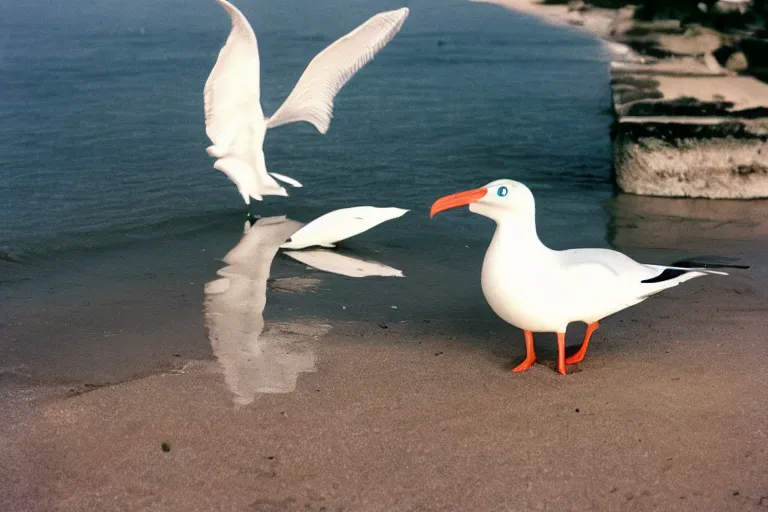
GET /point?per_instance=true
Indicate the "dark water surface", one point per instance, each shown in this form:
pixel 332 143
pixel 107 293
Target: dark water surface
pixel 112 218
pixel 103 137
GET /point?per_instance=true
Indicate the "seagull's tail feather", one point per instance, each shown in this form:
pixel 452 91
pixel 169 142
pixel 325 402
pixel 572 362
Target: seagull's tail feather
pixel 672 276
pixel 237 171
pixel 286 179
pixel 247 180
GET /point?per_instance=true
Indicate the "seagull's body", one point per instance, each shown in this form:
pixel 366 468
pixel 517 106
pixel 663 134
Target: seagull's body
pixel 538 289
pixel 234 119
pixel 554 288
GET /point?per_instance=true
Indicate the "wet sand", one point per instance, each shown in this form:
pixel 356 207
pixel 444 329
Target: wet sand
pixel 415 408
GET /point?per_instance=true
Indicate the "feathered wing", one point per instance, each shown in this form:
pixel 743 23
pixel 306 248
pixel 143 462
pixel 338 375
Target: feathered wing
pixel 339 225
pixel 602 282
pixel 617 263
pixel 231 95
pixel 312 98
pixel 613 264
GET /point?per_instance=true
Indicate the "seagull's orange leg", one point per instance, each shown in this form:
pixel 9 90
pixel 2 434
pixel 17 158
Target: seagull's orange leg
pixel 530 355
pixel 578 356
pixel 561 353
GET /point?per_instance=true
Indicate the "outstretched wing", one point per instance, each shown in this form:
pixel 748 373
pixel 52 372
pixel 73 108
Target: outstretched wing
pixel 312 98
pixel 232 89
pixel 339 225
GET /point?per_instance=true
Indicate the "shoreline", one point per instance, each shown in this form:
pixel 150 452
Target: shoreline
pixel 690 119
pixel 596 21
pixel 424 393
pixel 652 398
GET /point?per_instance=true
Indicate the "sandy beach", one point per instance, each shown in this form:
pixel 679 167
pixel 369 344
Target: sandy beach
pixel 412 411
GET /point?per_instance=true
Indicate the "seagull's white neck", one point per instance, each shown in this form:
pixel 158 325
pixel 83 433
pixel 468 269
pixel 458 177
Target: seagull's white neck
pixel 515 258
pixel 517 232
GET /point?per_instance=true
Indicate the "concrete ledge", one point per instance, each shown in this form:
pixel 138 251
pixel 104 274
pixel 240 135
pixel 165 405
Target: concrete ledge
pixel 713 158
pixel 690 136
pixel 678 66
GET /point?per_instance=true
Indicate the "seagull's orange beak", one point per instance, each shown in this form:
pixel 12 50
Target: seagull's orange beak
pixel 456 200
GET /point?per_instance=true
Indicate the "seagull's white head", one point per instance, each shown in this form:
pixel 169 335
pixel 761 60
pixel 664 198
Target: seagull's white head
pixel 496 200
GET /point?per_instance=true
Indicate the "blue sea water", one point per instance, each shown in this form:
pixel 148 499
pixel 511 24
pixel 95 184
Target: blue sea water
pixel 103 143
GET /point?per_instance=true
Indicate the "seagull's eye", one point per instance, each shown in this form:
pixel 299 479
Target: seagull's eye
pixel 502 191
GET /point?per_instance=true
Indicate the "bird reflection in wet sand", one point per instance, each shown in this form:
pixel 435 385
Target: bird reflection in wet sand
pixel 335 263
pixel 234 307
pixel 265 362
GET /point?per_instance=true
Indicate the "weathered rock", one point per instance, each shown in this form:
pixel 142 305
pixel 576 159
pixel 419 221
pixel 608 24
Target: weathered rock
pixel 652 94
pixel 730 6
pixel 624 21
pixel 680 66
pixel 709 157
pixel 737 62
pixel 711 62
pixel 695 41
pixel 690 136
pixel 578 5
pixel 666 38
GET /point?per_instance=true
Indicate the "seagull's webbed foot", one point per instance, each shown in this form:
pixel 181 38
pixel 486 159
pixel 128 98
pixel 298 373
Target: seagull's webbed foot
pixel 530 354
pixel 579 355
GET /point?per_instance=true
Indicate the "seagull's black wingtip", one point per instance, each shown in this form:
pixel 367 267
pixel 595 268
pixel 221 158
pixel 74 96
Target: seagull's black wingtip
pixel 697 264
pixel 669 273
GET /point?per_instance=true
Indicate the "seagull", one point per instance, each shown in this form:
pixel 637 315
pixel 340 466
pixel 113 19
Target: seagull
pixel 538 289
pixel 338 225
pixel 234 120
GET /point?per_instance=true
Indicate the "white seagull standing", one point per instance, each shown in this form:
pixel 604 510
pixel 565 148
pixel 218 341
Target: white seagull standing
pixel 538 289
pixel 234 120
